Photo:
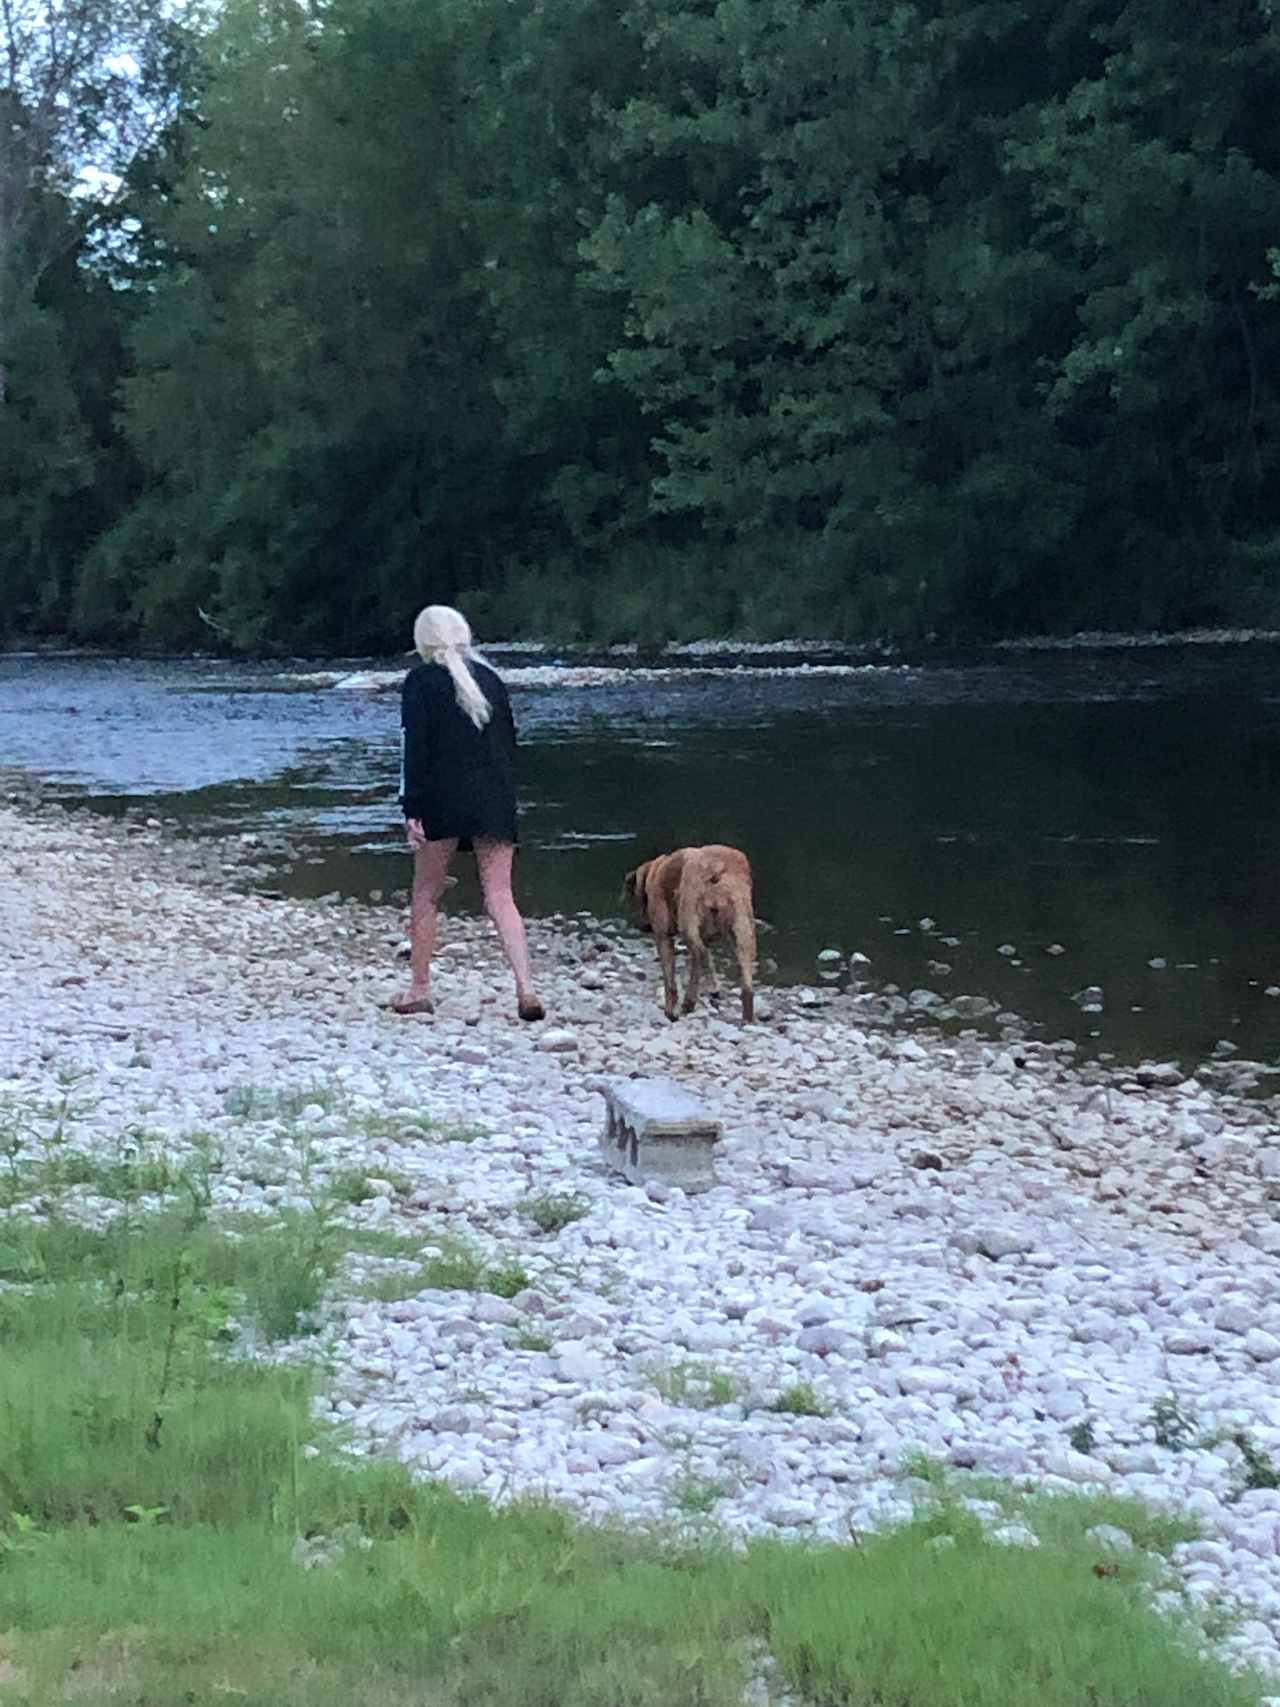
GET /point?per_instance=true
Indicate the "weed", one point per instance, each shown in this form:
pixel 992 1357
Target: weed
pixel 259 1103
pixel 351 1187
pixel 920 1467
pixel 1081 1438
pixel 801 1400
pixel 141 1169
pixel 379 1242
pixel 395 1284
pixel 1259 1468
pixel 530 1339
pixel 696 1496
pixel 459 1267
pixel 376 1124
pixel 1220 1617
pixel 1173 1425
pixel 455 1266
pixel 552 1211
pixel 63 1170
pixel 1152 1532
pixel 696 1386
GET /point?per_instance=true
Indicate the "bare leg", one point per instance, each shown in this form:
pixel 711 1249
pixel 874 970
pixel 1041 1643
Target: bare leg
pixel 494 862
pixel 430 871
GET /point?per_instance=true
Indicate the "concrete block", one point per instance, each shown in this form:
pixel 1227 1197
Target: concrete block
pixel 655 1129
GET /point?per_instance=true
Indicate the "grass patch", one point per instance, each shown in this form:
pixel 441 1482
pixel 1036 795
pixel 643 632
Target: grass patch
pixel 553 1211
pixel 162 1499
pixel 376 1124
pixel 1081 1437
pixel 1259 1468
pixel 696 1496
pixel 39 1159
pixel 801 1400
pixel 351 1187
pixel 531 1339
pixel 920 1467
pixel 273 1275
pixel 265 1102
pixel 696 1386
pixel 978 1624
pixel 126 1178
pixel 1173 1425
pixel 455 1266
pixel 1059 1521
pixel 459 1267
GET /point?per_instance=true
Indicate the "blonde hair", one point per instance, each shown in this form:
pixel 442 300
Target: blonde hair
pixel 442 635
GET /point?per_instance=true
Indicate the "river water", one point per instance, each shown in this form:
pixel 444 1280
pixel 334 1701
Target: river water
pixel 1123 805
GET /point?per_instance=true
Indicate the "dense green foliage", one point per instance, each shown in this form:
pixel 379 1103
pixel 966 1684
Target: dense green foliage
pixel 876 318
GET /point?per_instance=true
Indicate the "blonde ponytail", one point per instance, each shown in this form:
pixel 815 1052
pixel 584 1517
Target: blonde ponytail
pixel 442 635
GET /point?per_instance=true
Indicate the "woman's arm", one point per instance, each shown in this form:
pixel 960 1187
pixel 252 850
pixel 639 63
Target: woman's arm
pixel 415 746
pixel 503 716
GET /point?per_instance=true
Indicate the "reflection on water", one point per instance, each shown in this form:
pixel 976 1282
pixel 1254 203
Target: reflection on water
pixel 1124 806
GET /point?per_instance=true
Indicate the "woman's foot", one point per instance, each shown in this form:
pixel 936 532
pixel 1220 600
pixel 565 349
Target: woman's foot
pixel 530 1008
pixel 416 1002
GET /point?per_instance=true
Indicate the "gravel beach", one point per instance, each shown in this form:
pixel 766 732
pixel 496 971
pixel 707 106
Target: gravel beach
pixel 950 1246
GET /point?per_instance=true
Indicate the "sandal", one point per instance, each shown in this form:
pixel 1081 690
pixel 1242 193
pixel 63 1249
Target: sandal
pixel 531 1009
pixel 412 1005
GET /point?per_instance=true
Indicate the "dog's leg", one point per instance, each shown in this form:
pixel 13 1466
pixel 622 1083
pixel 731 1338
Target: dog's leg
pixel 697 965
pixel 667 955
pixel 744 942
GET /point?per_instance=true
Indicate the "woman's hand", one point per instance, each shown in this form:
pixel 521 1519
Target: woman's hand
pixel 416 835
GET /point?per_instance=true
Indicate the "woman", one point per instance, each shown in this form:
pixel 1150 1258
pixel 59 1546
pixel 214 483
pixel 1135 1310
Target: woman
pixel 457 788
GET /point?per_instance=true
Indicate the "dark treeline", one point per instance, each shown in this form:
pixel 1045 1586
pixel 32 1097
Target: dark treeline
pixel 867 318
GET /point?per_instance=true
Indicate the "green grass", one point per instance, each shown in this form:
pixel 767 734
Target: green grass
pixel 155 1487
pixel 1259 1468
pixel 40 1160
pixel 696 1496
pixel 801 1400
pixel 57 1170
pixel 695 1385
pixel 277 1271
pixel 264 1102
pixel 530 1339
pixel 553 1211
pixel 920 1467
pixel 455 1266
pixel 376 1123
pixel 351 1186
pixel 1082 1438
pixel 1173 1425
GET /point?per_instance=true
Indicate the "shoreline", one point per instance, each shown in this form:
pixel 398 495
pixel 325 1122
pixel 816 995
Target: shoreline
pixel 720 654
pixel 966 1248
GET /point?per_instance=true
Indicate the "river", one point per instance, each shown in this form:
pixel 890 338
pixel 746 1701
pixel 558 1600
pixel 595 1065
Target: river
pixel 1121 805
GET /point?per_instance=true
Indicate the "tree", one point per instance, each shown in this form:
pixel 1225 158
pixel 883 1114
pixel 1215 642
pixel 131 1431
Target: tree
pixel 85 85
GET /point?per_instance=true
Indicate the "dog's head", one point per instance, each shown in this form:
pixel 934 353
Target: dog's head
pixel 634 896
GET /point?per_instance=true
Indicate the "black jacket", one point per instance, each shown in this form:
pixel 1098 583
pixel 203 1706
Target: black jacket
pixel 457 779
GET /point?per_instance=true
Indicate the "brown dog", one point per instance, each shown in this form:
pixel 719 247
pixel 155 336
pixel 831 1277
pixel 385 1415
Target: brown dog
pixel 703 893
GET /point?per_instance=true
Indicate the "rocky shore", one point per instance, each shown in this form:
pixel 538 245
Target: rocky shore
pixel 563 675
pixel 919 1246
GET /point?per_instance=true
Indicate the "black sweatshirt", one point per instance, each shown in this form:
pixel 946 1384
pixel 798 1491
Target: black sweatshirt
pixel 457 779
